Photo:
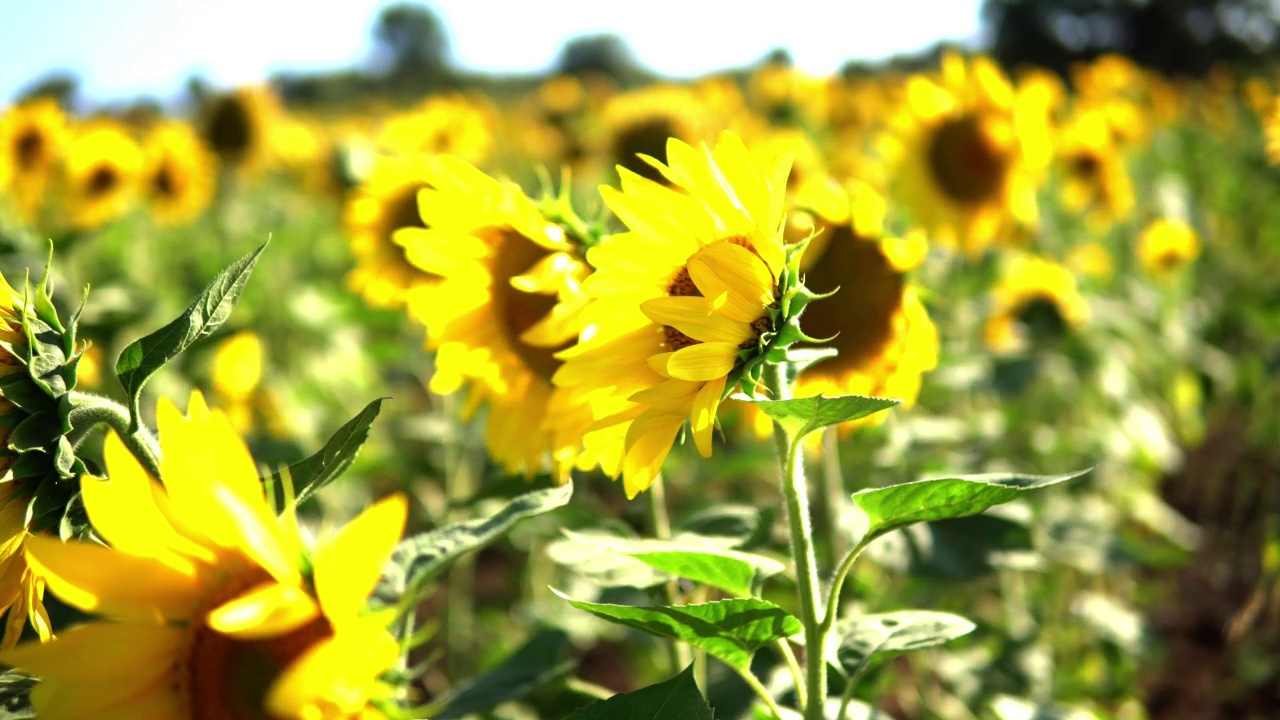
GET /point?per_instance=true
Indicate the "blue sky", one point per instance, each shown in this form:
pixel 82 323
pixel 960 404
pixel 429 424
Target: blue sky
pixel 124 48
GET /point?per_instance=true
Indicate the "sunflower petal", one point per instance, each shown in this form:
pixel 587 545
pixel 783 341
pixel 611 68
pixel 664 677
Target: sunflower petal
pixel 348 566
pixel 268 610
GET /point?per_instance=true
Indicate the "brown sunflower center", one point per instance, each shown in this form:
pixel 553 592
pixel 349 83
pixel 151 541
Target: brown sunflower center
pixel 1041 319
pixel 517 311
pixel 29 149
pixel 165 181
pixel 1086 165
pixel 965 163
pixel 643 137
pixel 401 211
pixel 229 130
pixel 227 678
pixel 682 285
pixel 102 181
pixel 861 315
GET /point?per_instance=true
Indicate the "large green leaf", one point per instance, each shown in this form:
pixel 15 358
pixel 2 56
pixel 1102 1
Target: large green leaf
pixel 675 699
pixel 731 630
pixel 420 558
pixel 736 573
pixel 741 527
pixel 15 687
pixel 310 475
pixel 537 662
pixel 895 506
pixel 801 416
pixel 143 357
pixel 864 637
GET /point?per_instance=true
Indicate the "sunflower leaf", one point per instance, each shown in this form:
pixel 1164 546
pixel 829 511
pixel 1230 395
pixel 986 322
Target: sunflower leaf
pixel 731 630
pixel 145 356
pixel 310 475
pixel 801 416
pixel 674 699
pixel 865 637
pixel 15 690
pixel 895 506
pixel 539 661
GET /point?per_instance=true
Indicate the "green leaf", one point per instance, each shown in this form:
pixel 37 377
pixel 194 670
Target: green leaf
pixel 35 432
pixel 15 688
pixel 310 475
pixel 606 569
pixel 801 416
pixel 538 662
pixel 143 357
pixel 895 506
pixel 736 573
pixel 731 630
pixel 418 559
pixel 886 634
pixel 741 526
pixel 675 699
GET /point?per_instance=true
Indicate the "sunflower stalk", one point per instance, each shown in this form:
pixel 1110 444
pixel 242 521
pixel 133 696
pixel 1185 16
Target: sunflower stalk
pixel 796 496
pixel 660 525
pixel 89 410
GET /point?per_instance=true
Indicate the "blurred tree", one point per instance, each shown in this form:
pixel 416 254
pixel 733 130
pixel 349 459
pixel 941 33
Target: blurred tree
pixel 61 86
pixel 412 48
pixel 604 54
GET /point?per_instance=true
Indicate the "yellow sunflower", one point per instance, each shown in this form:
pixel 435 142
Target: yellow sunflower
pixel 1036 299
pixel 641 121
pixel 239 127
pixel 880 328
pixel 103 169
pixel 968 151
pixel 385 202
pixel 212 606
pixel 21 586
pixel 1166 246
pixel 1095 179
pixel 32 135
pixel 674 301
pixel 509 299
pixel 179 175
pixel 236 375
pixel 445 124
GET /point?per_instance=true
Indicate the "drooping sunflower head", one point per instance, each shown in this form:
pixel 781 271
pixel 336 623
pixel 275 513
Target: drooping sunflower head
pixel 641 121
pixel 211 606
pixel 238 127
pixel 966 149
pixel 1167 245
pixel 1035 302
pixel 682 300
pixel 103 169
pixel 1094 177
pixel 32 135
pixel 178 179
pixel 387 201
pixel 512 280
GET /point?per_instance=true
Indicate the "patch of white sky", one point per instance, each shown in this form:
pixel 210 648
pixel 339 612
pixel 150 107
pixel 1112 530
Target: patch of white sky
pixel 127 48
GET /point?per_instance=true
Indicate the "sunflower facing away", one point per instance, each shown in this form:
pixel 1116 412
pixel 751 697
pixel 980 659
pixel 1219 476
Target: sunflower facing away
pixel 103 168
pixel 968 149
pixel 509 300
pixel 676 301
pixel 1166 246
pixel 211 605
pixel 179 176
pixel 1035 300
pixel 31 138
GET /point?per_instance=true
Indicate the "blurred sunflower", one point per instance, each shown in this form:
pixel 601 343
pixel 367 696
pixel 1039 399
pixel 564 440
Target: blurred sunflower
pixel 32 135
pixel 968 151
pixel 880 328
pixel 785 95
pixel 1036 300
pixel 179 176
pixel 103 170
pixel 1095 179
pixel 213 607
pixel 445 124
pixel 641 121
pixel 1090 260
pixel 512 280
pixel 675 301
pixel 385 202
pixel 239 127
pixel 1166 246
pixel 236 375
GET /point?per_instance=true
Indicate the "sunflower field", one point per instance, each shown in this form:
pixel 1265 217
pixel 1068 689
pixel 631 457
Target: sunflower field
pixel 944 393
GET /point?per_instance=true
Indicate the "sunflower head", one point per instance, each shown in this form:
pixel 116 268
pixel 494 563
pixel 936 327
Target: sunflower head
pixel 1094 177
pixel 640 122
pixel 178 179
pixel 103 167
pixel 238 128
pixel 1036 302
pixel 457 124
pixel 1167 245
pixel 32 135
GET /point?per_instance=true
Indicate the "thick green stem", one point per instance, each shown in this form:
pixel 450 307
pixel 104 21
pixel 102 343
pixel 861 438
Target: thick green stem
pixel 89 410
pixel 660 526
pixel 796 496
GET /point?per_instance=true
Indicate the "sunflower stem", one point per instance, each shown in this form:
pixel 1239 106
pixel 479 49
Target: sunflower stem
pixel 89 410
pixel 660 526
pixel 796 496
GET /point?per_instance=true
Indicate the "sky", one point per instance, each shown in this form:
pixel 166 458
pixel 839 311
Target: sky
pixel 128 48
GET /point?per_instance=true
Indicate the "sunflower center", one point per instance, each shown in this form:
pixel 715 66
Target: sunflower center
pixel 29 149
pixel 967 165
pixel 1042 319
pixel 229 130
pixel 102 181
pixel 165 181
pixel 643 137
pixel 517 311
pixel 1086 165
pixel 861 315
pixel 227 678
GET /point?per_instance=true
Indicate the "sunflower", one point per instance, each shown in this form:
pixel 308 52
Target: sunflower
pixel 446 124
pixel 179 176
pixel 1036 299
pixel 31 138
pixel 236 375
pixel 103 167
pixel 21 587
pixel 211 605
pixel 881 330
pixel 1166 246
pixel 675 302
pixel 239 127
pixel 968 152
pixel 512 283
pixel 641 121
pixel 385 202
pixel 1095 179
